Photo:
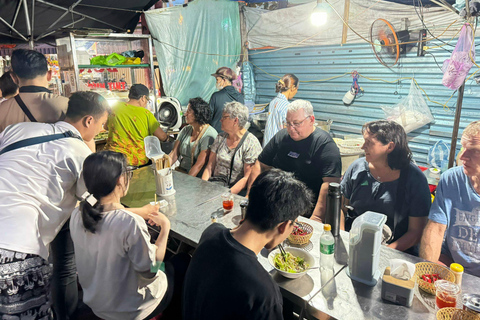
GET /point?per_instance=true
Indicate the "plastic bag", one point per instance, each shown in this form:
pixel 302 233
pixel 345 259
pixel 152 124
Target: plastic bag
pixel 438 155
pixel 456 68
pixel 98 60
pixel 114 59
pixel 411 112
pixel 249 90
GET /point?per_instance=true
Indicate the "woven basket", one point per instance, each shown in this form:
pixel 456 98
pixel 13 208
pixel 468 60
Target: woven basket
pixel 349 146
pixel 422 268
pixel 300 240
pixel 455 314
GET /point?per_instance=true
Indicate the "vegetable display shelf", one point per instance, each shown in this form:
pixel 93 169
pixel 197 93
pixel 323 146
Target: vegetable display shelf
pixel 97 66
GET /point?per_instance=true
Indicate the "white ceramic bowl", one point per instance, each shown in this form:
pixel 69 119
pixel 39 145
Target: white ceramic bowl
pixel 297 253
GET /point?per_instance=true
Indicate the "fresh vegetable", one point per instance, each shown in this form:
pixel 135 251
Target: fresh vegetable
pixel 291 264
pixel 431 278
pixel 298 231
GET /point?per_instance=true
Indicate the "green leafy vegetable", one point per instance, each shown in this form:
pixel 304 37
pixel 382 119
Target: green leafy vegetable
pixel 291 264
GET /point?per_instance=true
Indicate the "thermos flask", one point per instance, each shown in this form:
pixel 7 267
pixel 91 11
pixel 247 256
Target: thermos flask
pixel 334 205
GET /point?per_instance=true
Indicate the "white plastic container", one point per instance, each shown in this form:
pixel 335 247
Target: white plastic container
pixel 164 182
pixel 364 247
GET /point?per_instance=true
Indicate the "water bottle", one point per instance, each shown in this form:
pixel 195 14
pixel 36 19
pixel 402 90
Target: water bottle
pixel 327 260
pixel 327 249
pixel 333 207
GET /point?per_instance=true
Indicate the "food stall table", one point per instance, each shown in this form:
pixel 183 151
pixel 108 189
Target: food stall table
pixel 354 300
pixel 190 211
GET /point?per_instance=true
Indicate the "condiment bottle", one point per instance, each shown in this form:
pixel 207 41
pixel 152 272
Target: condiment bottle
pixel 457 269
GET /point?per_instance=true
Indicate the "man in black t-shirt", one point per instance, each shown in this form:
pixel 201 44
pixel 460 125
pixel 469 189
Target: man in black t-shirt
pixel 225 281
pixel 309 152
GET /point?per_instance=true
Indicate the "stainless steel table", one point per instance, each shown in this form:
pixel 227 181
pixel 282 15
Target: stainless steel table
pixel 190 211
pixel 354 300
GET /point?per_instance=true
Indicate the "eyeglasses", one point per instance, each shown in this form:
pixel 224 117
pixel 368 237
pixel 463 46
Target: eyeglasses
pixel 226 117
pixel 129 171
pixel 295 124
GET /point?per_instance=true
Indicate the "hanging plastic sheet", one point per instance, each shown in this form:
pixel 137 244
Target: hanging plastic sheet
pixel 249 90
pixel 291 26
pixel 181 37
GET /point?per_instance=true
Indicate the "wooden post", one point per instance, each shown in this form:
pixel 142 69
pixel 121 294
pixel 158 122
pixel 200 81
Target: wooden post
pixel 456 124
pixel 346 14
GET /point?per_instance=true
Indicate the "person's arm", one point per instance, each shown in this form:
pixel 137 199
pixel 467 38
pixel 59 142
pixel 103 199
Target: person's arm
pixel 242 183
pixel 256 170
pixel 202 157
pixel 319 211
pixel 145 210
pixel 212 160
pixel 174 153
pixel 432 239
pixel 159 219
pixel 413 234
pixel 160 134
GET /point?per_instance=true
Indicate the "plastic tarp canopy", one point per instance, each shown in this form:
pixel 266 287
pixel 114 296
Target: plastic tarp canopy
pixel 192 42
pixel 291 26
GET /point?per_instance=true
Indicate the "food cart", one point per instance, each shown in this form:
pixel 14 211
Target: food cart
pixel 111 80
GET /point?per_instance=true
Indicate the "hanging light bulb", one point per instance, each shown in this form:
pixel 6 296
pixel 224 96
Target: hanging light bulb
pixel 319 15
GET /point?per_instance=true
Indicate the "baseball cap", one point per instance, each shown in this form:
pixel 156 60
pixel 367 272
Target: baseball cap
pixel 137 91
pixel 225 72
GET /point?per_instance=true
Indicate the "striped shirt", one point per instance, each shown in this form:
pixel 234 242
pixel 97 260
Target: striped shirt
pixel 277 113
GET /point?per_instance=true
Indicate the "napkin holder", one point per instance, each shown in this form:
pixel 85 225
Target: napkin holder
pixel 396 290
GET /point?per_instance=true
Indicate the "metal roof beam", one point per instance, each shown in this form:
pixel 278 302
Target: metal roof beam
pixel 63 15
pixel 27 18
pixel 43 35
pixel 13 29
pixel 31 42
pixel 19 4
pixel 80 14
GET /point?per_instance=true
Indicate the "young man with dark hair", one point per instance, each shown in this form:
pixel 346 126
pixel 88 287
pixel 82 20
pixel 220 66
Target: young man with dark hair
pixel 129 123
pixel 225 279
pixel 35 102
pixel 39 187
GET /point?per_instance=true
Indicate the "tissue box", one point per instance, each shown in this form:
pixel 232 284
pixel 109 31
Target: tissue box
pixel 396 290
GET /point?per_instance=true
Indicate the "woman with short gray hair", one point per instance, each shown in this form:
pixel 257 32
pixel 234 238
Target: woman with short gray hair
pixel 234 152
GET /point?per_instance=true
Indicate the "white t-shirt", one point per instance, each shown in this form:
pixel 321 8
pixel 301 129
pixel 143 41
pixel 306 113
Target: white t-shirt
pixel 38 185
pixel 113 266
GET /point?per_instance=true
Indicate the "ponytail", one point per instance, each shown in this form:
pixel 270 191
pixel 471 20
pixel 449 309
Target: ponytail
pixel 289 80
pixel 91 215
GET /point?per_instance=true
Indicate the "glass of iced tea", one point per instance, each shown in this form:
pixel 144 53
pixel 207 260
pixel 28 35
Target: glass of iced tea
pixel 227 199
pixel 446 294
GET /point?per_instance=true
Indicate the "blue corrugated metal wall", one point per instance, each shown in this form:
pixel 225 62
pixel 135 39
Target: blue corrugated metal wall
pixel 314 63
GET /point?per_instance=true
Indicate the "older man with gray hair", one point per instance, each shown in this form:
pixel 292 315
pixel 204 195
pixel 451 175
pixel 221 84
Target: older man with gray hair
pixel 309 152
pixel 453 230
pixel 234 152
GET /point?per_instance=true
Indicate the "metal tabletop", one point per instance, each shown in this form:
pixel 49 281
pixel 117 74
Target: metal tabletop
pixel 354 300
pixel 190 211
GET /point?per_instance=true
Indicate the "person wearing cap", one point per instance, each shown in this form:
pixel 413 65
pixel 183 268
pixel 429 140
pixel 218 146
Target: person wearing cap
pixel 227 93
pixel 129 123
